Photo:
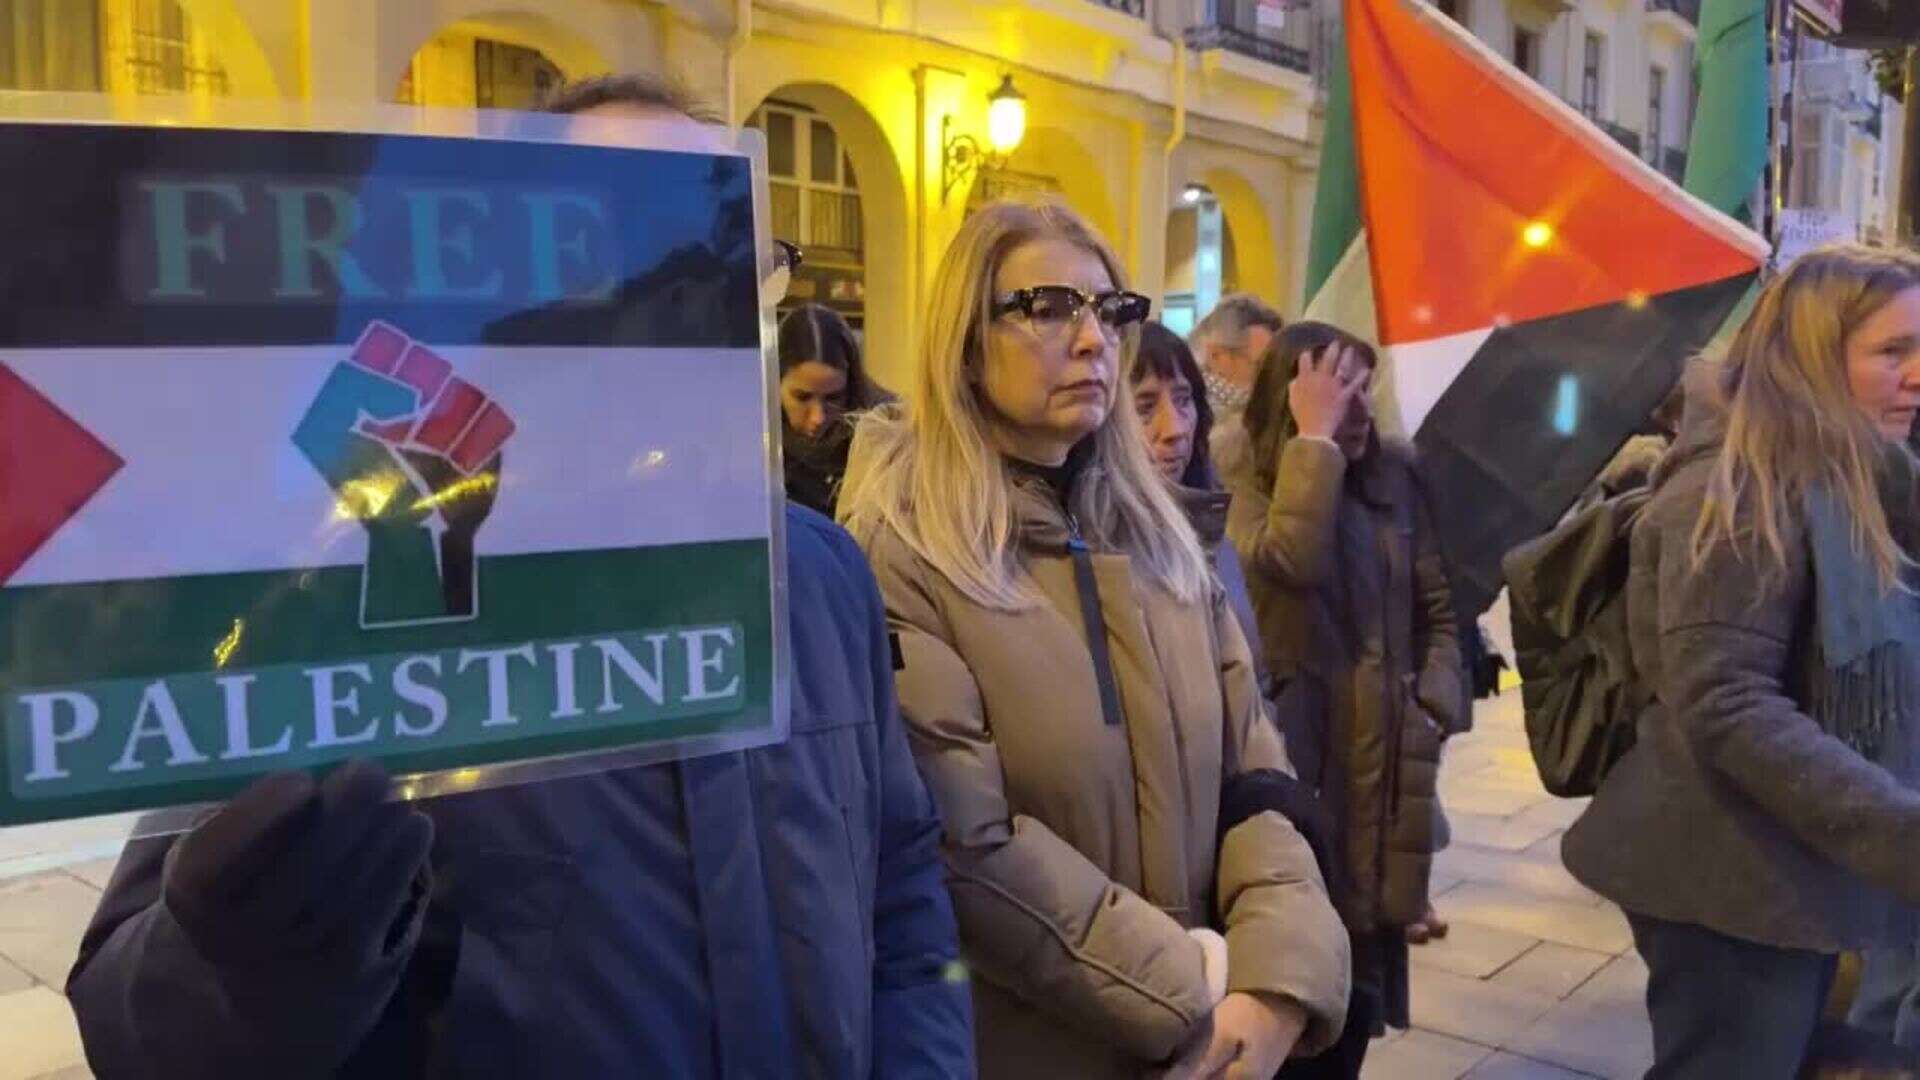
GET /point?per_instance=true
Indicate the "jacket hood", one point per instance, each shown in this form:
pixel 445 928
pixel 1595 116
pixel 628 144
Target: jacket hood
pixel 1703 422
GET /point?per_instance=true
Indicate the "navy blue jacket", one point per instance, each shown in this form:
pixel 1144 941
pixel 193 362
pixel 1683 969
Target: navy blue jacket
pixel 773 913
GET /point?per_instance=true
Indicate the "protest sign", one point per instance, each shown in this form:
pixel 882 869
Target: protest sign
pixel 1802 230
pixel 318 445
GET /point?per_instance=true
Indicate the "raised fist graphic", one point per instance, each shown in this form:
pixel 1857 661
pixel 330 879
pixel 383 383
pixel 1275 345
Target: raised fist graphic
pixel 412 451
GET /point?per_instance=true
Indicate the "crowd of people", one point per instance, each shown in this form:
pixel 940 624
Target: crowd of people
pixel 1120 694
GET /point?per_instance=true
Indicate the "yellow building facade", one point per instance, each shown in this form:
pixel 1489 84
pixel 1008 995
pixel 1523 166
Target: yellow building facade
pixel 1129 103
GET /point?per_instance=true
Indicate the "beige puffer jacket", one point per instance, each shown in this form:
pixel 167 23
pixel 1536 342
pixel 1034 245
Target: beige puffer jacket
pixel 1080 850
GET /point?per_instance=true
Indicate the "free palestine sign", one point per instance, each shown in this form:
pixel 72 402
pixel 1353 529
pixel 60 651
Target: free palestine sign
pixel 317 445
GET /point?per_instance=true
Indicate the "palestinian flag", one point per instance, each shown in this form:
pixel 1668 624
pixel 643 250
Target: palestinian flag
pixel 1533 285
pixel 324 445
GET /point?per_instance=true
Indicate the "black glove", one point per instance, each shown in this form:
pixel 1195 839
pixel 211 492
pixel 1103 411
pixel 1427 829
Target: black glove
pixel 292 867
pixel 303 897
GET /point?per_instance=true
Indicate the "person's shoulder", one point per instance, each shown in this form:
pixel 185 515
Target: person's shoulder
pixel 826 571
pixel 1675 504
pixel 812 531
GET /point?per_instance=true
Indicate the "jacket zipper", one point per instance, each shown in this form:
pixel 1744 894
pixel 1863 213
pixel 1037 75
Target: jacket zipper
pixel 1095 620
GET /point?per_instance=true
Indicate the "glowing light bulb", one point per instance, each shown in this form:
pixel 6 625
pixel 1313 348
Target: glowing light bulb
pixel 1006 117
pixel 1537 235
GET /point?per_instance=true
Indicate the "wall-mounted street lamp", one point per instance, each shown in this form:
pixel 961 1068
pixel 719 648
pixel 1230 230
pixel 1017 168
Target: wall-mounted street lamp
pixel 962 156
pixel 1193 193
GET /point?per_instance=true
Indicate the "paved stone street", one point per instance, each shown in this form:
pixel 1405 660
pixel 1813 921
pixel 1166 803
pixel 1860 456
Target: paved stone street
pixel 1537 980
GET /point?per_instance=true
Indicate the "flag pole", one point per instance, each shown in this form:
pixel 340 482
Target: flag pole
pixel 1786 51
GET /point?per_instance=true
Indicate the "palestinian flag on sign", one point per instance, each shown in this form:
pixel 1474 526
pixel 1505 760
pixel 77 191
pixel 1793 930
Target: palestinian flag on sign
pixel 1534 286
pixel 318 445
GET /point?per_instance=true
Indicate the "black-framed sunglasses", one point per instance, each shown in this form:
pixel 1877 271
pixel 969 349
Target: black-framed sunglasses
pixel 1053 307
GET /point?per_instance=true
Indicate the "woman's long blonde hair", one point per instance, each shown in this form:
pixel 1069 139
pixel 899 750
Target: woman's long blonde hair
pixel 1792 424
pixel 929 471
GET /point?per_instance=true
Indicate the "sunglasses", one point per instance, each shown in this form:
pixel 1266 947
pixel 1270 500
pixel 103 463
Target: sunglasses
pixel 1056 307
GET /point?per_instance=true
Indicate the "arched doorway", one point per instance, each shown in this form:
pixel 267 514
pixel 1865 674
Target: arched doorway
pixel 500 60
pixel 464 66
pixel 1203 262
pixel 837 192
pixel 813 190
pixel 1220 240
pixel 1252 252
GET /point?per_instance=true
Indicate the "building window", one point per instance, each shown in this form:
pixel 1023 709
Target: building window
pixel 1595 59
pixel 815 195
pixel 815 199
pixel 1526 50
pixel 49 45
pixel 1656 115
pixel 1805 185
pixel 166 58
pixel 509 76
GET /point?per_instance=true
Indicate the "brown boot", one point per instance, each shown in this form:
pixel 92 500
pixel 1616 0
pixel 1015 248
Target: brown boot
pixel 1431 927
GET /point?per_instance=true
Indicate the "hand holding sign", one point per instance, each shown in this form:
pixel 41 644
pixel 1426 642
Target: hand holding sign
pixel 301 893
pixel 410 449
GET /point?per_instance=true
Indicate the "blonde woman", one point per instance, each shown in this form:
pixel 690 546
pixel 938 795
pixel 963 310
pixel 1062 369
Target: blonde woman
pixel 1077 693
pixel 1767 818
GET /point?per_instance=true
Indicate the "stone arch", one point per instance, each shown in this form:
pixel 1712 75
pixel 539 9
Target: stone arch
pixel 885 221
pixel 570 48
pixel 1252 256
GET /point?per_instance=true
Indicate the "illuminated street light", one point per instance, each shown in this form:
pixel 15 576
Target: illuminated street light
pixel 961 156
pixel 1006 118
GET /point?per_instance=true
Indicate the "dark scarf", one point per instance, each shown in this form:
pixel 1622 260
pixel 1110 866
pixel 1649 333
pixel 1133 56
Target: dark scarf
pixel 1060 479
pixel 1859 677
pixel 815 465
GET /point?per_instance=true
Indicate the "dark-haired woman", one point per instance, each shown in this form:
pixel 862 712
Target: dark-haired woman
pixel 1170 397
pixel 1352 600
pixel 822 381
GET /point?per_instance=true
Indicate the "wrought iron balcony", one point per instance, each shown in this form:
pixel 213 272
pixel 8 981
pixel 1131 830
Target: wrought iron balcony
pixel 1686 9
pixel 1136 8
pixel 1234 25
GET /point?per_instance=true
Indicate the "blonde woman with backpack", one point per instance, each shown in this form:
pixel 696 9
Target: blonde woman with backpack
pixel 1767 817
pixel 1079 696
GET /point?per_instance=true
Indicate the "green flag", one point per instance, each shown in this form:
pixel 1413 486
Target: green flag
pixel 1336 195
pixel 1729 147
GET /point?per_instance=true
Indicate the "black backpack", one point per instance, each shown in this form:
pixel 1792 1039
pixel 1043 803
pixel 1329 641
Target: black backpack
pixel 1567 591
